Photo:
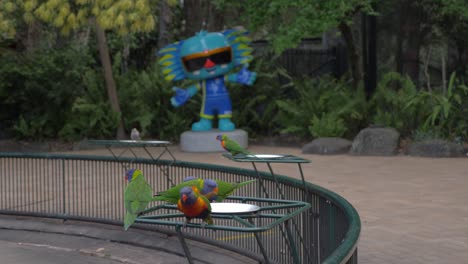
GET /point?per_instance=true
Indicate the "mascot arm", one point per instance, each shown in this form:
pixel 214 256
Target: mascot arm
pixel 183 95
pixel 244 76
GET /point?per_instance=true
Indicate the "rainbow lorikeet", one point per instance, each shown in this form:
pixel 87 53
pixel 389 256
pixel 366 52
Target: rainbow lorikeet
pixel 137 195
pixel 215 190
pixel 232 146
pixel 193 205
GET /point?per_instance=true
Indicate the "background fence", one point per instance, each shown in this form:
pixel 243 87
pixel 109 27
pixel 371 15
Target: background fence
pixel 91 188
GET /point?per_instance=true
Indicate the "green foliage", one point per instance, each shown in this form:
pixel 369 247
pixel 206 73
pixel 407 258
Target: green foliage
pixel 445 111
pixel 145 103
pixel 254 108
pixel 91 115
pixel 287 22
pixel 323 108
pixel 122 16
pixel 38 89
pixel 389 103
pixel 422 134
pixel 421 114
pixel 328 125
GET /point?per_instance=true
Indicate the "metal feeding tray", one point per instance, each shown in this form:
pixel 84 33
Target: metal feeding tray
pixel 234 208
pixel 265 156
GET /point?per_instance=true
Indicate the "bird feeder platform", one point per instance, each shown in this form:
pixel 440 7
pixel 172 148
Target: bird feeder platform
pixel 268 159
pixel 245 214
pixel 119 147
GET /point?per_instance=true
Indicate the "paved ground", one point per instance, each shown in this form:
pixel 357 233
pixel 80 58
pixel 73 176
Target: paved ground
pixel 26 240
pixel 413 210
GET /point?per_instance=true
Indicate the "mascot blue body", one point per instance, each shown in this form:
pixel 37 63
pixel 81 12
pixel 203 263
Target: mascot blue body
pixel 209 57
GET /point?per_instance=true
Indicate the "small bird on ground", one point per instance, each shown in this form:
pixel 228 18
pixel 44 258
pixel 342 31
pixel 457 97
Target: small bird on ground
pixel 232 146
pixel 135 134
pixel 137 195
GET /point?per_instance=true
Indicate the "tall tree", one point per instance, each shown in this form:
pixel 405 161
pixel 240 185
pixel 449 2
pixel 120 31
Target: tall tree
pixel 121 16
pixel 286 22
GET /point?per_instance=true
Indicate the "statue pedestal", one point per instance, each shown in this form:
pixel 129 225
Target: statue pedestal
pixel 205 141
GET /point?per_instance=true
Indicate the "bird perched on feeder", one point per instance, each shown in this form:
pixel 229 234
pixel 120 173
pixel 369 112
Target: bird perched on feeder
pixel 232 146
pixel 137 195
pixel 214 190
pixel 135 134
pixel 193 205
pixel 198 194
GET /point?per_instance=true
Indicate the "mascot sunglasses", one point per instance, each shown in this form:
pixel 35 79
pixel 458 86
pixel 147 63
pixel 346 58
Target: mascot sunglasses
pixel 197 61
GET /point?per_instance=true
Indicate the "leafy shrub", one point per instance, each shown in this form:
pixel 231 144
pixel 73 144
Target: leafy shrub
pixel 91 115
pixel 445 111
pixel 328 125
pixel 322 108
pixel 254 107
pixel 145 103
pixel 389 104
pixel 37 90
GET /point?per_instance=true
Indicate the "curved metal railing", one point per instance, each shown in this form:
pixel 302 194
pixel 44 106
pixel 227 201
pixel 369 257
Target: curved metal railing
pixel 91 188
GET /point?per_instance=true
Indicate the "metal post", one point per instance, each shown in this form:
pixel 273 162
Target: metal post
pixel 184 244
pixel 260 245
pixel 260 181
pixel 276 180
pixel 64 202
pixel 155 160
pixel 292 245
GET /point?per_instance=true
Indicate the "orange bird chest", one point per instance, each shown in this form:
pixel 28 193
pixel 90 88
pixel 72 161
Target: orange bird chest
pixel 194 210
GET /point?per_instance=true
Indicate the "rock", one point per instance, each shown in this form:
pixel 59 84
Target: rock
pixel 436 148
pixel 376 141
pixel 327 146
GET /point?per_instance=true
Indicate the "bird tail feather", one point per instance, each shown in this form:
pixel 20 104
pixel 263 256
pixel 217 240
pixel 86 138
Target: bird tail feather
pixel 129 220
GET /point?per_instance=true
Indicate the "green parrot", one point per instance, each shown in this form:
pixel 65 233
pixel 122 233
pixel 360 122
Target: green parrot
pixel 138 194
pixel 232 146
pixel 188 200
pixel 193 205
pixel 172 194
pixel 214 190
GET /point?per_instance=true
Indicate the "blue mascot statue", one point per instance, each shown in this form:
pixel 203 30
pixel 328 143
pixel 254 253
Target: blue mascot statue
pixel 208 57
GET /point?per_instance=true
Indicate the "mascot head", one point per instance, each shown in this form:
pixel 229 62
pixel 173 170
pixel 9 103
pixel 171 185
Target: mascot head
pixel 205 55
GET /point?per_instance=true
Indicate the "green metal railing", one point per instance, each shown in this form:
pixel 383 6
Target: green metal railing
pixel 91 188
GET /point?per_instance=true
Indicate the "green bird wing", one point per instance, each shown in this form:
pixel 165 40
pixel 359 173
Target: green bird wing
pixel 137 196
pixel 172 195
pixel 234 147
pixel 138 190
pixel 133 209
pixel 226 188
pixel 208 218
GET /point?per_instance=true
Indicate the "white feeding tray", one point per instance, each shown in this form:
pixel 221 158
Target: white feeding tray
pixel 265 156
pixel 233 208
pixel 145 141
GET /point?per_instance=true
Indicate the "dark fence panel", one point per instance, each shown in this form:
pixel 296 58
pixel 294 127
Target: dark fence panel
pixel 311 60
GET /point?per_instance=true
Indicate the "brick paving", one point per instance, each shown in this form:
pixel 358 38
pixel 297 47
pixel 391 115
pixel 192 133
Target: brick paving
pixel 413 210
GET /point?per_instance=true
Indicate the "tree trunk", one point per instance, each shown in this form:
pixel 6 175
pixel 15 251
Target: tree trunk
pixel 110 83
pixel 201 14
pixel 414 28
pixel 33 36
pixel 353 55
pixel 165 20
